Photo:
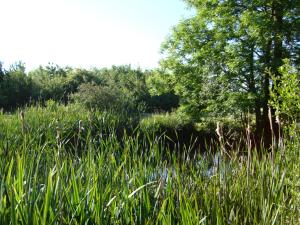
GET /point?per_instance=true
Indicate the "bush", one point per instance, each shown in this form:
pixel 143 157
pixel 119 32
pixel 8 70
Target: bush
pixel 285 96
pixel 104 98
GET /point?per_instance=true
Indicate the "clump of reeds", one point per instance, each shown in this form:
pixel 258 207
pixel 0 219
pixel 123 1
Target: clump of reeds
pixel 129 182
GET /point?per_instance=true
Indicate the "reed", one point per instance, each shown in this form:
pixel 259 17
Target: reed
pixel 129 181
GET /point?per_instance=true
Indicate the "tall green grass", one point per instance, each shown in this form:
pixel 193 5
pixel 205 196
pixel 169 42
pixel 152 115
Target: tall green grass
pixel 44 179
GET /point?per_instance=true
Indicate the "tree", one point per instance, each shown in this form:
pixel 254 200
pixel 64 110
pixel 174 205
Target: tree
pixel 223 56
pixel 51 82
pixel 15 88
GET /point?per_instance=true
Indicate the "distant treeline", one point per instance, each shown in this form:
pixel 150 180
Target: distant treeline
pixel 119 87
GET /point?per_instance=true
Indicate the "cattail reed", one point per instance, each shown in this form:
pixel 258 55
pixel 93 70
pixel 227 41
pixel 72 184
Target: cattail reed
pixel 80 129
pixel 221 138
pixel 249 145
pixel 272 134
pixel 22 117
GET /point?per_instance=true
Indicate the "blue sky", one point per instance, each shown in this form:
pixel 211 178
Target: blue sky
pixel 86 33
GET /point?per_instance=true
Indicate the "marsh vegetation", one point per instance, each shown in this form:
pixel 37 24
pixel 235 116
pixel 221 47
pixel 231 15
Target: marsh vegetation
pixel 209 137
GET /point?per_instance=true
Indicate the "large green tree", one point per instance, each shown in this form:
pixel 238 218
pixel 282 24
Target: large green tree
pixel 222 57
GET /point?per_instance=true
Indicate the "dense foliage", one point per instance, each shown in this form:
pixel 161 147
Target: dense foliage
pixel 119 86
pixel 220 60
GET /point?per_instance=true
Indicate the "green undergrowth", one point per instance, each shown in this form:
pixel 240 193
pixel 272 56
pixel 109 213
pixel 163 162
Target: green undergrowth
pixel 127 181
pixel 176 121
pixel 157 122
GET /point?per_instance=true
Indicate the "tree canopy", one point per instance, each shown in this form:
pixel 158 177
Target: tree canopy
pixel 221 58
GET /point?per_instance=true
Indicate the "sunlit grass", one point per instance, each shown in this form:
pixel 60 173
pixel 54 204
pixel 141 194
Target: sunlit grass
pixel 55 169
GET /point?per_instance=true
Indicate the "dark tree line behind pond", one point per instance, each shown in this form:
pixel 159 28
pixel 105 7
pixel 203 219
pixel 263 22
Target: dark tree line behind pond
pixel 117 88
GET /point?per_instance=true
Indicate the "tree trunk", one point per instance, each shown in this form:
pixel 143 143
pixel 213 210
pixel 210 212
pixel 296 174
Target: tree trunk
pixel 278 39
pixel 253 90
pixel 265 126
pixel 277 54
pixel 273 60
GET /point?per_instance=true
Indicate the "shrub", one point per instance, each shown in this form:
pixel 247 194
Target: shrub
pixel 104 98
pixel 286 93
